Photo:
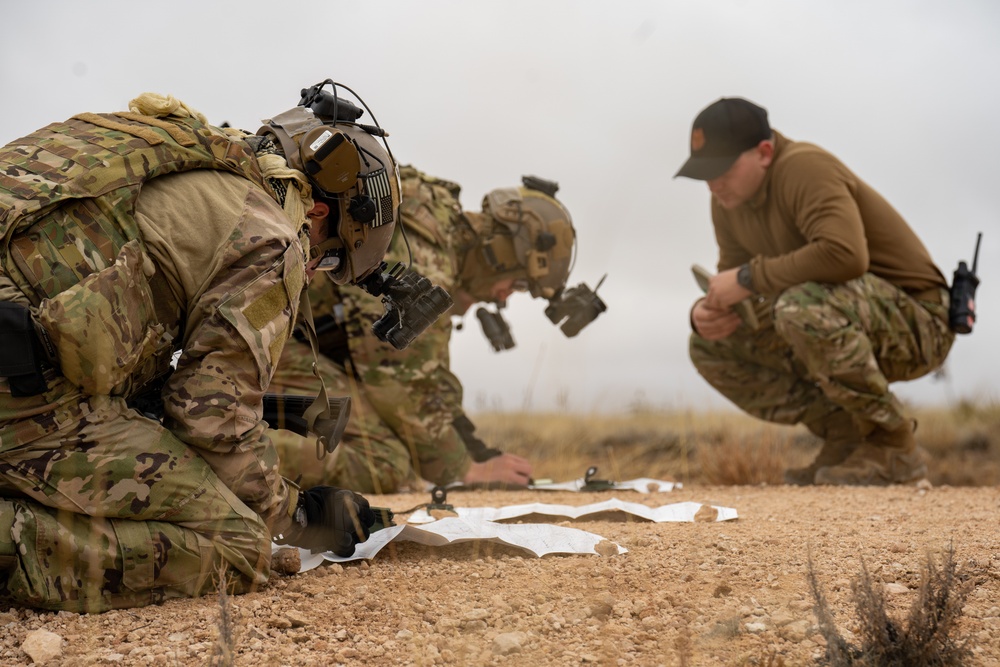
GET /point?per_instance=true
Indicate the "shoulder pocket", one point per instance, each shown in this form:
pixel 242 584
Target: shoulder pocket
pixel 104 326
pixel 262 313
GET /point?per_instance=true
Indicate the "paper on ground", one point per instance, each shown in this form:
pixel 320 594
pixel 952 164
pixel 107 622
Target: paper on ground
pixel 642 485
pixel 673 512
pixel 538 539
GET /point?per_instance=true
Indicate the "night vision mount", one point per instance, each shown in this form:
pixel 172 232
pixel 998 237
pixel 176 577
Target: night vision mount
pixel 331 108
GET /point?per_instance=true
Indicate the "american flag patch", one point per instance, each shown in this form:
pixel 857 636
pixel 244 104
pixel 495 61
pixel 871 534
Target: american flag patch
pixel 377 187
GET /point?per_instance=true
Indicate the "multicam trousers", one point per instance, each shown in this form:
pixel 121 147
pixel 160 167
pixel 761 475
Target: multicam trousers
pixel 830 347
pixel 112 510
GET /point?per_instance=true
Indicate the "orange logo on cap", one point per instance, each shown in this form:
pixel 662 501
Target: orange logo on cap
pixel 697 139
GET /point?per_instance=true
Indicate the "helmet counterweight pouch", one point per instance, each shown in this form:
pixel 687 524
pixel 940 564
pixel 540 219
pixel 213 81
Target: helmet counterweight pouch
pixel 330 159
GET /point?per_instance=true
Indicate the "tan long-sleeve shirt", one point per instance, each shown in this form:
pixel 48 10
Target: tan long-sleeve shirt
pixel 813 219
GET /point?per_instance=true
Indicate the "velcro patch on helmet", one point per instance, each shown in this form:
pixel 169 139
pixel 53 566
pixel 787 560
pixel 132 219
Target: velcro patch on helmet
pixel 378 188
pixel 537 264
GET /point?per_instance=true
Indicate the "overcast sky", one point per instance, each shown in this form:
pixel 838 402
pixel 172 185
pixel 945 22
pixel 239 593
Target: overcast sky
pixel 598 96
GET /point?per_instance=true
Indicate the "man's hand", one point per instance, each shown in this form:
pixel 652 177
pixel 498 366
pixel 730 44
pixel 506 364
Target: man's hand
pixel 724 291
pixel 504 469
pixel 330 519
pixel 713 323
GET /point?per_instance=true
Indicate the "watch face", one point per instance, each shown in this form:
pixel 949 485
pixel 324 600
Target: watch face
pixel 743 277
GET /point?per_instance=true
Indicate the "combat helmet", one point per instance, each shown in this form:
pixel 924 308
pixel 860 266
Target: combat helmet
pixel 526 234
pixel 350 170
pixel 523 233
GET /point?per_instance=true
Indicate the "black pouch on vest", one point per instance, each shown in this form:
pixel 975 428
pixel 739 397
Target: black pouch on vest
pixel 20 351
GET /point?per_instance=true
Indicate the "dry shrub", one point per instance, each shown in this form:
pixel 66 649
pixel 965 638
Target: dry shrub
pixel 224 649
pixel 962 443
pixel 927 638
pixel 757 460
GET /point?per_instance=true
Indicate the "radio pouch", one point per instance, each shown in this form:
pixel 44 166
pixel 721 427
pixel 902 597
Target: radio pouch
pixel 20 351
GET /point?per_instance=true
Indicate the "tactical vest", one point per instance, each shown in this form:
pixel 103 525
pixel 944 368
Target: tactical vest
pixel 68 191
pixel 429 206
pixel 68 231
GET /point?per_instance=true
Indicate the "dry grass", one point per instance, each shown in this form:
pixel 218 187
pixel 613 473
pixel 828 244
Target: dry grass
pixel 929 635
pixel 723 447
pixel 224 649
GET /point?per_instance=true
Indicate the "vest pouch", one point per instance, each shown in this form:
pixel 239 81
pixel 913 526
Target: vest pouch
pixel 105 325
pixel 20 352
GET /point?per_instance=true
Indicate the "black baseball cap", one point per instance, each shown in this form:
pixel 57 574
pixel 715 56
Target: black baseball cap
pixel 722 131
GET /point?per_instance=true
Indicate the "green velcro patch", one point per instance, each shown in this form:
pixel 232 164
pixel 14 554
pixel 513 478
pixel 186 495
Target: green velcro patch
pixel 267 306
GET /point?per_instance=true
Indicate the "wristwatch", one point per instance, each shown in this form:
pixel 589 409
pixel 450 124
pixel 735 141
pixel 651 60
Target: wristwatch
pixel 744 278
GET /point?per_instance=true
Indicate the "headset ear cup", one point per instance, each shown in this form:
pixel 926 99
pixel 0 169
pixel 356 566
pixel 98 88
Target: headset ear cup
pixel 330 159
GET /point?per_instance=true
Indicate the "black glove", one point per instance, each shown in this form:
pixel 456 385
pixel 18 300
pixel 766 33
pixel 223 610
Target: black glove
pixel 331 519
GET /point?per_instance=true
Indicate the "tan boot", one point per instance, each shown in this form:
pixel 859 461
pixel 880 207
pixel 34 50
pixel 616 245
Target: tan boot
pixel 841 436
pixel 886 457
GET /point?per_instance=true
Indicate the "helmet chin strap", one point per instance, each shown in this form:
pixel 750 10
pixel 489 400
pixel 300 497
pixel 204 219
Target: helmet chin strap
pixel 331 250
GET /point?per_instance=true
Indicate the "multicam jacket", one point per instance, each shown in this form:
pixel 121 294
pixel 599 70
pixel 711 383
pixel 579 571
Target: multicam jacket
pixel 118 281
pixel 413 390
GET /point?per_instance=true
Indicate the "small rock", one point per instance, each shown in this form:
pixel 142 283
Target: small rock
pixel 42 645
pixel 755 627
pixel 801 605
pixel 606 548
pixel 279 623
pixel 796 631
pixel 297 618
pixel 781 618
pixel 706 514
pixel 896 589
pixel 286 561
pixel 722 590
pixel 509 642
pixel 477 615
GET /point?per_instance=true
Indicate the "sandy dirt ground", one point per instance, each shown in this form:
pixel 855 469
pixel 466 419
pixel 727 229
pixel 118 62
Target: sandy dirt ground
pixel 703 593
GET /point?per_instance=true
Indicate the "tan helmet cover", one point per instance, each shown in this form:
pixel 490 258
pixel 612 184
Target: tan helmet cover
pixel 531 232
pixel 343 162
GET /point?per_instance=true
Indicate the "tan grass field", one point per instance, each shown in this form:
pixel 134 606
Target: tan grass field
pixel 724 448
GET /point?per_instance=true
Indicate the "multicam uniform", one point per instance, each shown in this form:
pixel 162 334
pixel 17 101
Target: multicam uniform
pixel 101 507
pixel 830 342
pixel 405 402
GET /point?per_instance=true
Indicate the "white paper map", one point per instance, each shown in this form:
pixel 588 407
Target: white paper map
pixel 674 512
pixel 538 539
